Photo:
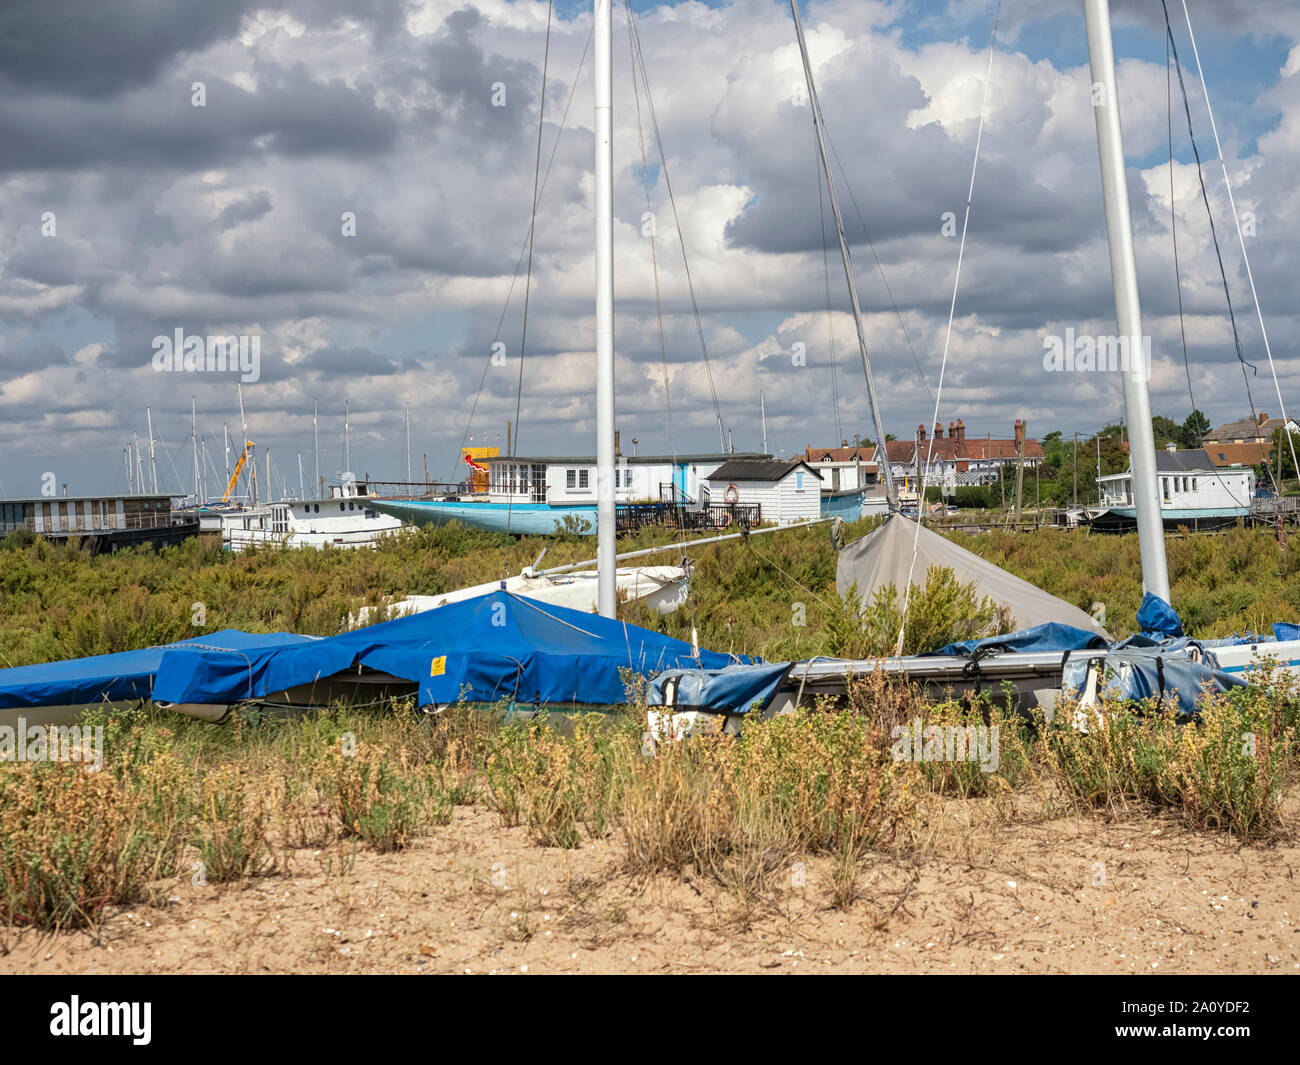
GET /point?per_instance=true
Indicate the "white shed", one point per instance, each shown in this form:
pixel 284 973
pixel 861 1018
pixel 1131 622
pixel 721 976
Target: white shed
pixel 787 491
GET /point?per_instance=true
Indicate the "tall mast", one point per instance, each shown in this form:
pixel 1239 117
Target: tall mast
pixel 762 407
pixel 252 466
pixel 816 106
pixel 315 433
pixel 347 435
pixel 126 459
pixel 225 428
pixel 605 512
pixel 1128 311
pixel 407 410
pixel 301 493
pixel 153 465
pixel 194 440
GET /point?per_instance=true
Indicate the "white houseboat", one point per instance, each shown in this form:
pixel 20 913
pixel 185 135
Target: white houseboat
pixel 1193 493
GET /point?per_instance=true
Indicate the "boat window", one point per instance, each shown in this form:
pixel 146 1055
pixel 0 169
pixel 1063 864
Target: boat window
pixel 570 479
pixel 371 514
pixel 352 506
pixel 317 506
pixel 341 508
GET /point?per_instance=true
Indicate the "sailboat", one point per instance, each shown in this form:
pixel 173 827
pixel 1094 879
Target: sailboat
pixel 1059 646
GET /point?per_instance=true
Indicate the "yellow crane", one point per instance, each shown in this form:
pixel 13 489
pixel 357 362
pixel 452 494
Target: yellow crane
pixel 234 477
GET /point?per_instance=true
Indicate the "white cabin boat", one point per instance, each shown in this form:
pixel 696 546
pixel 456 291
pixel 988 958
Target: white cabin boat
pixel 346 519
pixel 1193 493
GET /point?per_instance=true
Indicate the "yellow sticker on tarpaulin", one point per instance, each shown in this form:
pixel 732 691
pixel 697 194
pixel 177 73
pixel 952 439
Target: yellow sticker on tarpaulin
pixel 438 666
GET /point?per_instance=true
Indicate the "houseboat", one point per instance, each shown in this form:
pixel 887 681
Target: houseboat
pixel 556 493
pixel 1194 493
pixel 103 522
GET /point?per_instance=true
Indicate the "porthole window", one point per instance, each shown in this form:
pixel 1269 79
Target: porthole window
pixel 317 506
pixel 341 508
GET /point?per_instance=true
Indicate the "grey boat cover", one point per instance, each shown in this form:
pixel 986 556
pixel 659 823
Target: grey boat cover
pixel 884 556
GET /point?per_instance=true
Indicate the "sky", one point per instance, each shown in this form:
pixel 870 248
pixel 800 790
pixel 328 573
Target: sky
pixel 348 185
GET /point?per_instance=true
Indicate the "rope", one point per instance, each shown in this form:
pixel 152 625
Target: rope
pixel 952 310
pixel 1241 239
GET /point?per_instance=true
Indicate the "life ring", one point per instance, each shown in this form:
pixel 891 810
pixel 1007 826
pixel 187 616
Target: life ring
pixel 732 494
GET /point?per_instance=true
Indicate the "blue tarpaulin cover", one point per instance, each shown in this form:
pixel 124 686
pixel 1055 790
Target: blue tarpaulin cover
pixel 1052 636
pixel 1156 672
pixel 733 690
pixel 1157 618
pixel 1284 631
pixel 123 676
pixel 495 646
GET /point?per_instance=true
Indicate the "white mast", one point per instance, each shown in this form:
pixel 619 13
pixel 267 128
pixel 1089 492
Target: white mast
pixel 816 106
pixel 270 496
pixel 315 433
pixel 407 410
pixel 252 466
pixel 347 436
pixel 605 511
pixel 126 459
pixel 203 469
pixel 762 407
pixel 301 493
pixel 225 428
pixel 153 465
pixel 194 440
pixel 1128 311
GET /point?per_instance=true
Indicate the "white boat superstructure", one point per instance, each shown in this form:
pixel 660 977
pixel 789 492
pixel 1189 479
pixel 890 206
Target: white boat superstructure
pixel 346 519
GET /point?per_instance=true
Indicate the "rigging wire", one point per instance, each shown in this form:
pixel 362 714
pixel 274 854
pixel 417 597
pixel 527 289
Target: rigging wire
pixel 1240 236
pixel 880 267
pixel 654 257
pixel 681 238
pixel 952 310
pixel 523 249
pixel 528 276
pixel 1205 197
pixel 826 272
pixel 1178 278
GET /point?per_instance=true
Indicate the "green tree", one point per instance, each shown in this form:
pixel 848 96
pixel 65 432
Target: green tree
pixel 1166 431
pixel 1195 429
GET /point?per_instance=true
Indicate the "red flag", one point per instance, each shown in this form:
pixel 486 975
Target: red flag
pixel 474 465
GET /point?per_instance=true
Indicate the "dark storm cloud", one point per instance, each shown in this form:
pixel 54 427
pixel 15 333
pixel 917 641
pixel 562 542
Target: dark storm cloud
pixel 102 48
pixel 291 114
pixel 248 209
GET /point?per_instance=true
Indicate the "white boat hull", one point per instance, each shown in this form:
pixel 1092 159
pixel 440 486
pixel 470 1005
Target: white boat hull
pixel 662 588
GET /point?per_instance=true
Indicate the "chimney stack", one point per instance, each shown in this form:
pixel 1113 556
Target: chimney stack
pixel 938 430
pixel 1020 430
pixel 961 432
pixel 952 431
pixel 1263 417
pixel 920 432
pixel 617 449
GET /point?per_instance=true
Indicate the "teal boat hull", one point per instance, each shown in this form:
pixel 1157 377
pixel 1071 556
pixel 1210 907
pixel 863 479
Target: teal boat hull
pixel 532 519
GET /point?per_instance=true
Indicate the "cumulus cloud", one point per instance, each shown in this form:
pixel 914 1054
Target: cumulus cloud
pixel 356 192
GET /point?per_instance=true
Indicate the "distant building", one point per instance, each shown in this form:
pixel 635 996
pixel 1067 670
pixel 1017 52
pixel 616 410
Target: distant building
pixel 1247 431
pixel 950 458
pixel 105 522
pixel 571 479
pixel 1246 442
pixel 845 467
pixel 788 491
